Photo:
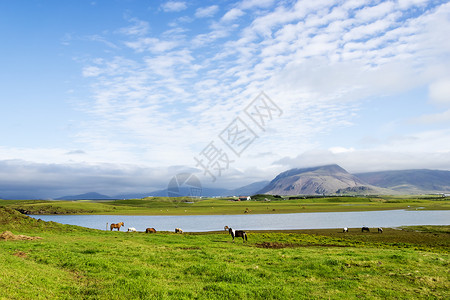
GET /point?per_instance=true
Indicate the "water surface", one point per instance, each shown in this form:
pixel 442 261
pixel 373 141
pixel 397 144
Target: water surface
pixel 320 220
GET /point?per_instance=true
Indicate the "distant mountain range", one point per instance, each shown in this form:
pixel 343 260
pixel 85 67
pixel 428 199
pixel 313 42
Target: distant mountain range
pixel 332 179
pixel 246 190
pixel 410 181
pixel 328 180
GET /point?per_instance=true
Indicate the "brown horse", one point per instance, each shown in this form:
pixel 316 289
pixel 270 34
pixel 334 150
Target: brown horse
pixel 178 230
pixel 150 230
pixel 118 225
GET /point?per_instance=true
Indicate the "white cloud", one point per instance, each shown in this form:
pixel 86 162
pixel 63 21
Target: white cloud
pixel 232 15
pixel 440 117
pixel 364 31
pixel 138 28
pixel 374 12
pixel 336 150
pixel 405 4
pixel 249 4
pixel 370 160
pixel 439 91
pixel 206 12
pixel 154 45
pixel 91 71
pixel 174 6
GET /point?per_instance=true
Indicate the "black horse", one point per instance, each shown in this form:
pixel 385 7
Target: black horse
pixel 365 229
pixel 238 233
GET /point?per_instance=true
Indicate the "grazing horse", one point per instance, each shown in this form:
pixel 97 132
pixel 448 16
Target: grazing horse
pixel 118 225
pixel 131 229
pixel 345 229
pixel 365 229
pixel 238 233
pixel 178 230
pixel 150 230
pixel 380 230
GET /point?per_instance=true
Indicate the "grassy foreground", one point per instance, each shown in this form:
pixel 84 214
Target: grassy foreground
pixel 71 262
pixel 186 206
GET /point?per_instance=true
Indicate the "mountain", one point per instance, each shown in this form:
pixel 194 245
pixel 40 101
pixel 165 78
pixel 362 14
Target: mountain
pixel 419 181
pixel 87 196
pixel 329 179
pixel 248 190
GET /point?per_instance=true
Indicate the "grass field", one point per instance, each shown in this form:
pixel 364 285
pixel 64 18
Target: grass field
pixel 186 206
pixel 70 262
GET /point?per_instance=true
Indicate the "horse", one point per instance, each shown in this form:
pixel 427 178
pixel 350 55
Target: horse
pixel 365 229
pixel 345 229
pixel 238 233
pixel 118 225
pixel 150 230
pixel 178 230
pixel 131 229
pixel 380 230
pixel 226 228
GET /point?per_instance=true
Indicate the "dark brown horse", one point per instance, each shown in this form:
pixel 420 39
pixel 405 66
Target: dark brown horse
pixel 118 225
pixel 238 233
pixel 150 230
pixel 365 229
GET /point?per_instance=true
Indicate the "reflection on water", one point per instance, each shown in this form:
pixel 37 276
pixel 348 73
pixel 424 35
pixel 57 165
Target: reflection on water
pixel 391 218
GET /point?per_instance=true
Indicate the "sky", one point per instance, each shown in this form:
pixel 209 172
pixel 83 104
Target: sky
pixel 121 96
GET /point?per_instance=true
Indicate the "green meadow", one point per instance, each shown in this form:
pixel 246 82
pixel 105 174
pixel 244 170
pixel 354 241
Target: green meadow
pixel 226 206
pixel 70 262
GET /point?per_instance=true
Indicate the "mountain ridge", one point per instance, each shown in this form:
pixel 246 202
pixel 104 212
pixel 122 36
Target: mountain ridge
pixel 326 179
pixel 410 181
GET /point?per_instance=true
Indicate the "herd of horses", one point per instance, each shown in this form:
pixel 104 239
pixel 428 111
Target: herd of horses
pixel 231 231
pixel 364 229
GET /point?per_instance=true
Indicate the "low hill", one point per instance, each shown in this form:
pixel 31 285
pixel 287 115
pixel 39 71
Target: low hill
pixel 14 221
pixel 329 179
pixel 86 196
pixel 419 181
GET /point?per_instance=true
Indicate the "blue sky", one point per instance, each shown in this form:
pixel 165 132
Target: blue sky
pixel 119 96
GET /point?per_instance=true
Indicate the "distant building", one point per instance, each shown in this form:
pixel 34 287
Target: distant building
pixel 244 198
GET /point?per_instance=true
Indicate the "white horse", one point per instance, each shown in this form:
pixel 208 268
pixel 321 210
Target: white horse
pixel 131 229
pixel 345 229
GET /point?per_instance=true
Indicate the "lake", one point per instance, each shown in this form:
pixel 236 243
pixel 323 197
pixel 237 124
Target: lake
pixel 388 218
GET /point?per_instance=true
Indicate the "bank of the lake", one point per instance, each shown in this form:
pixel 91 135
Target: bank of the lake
pixel 180 206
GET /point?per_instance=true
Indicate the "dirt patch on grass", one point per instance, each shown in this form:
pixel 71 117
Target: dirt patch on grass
pixel 9 236
pixel 20 254
pixel 276 245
